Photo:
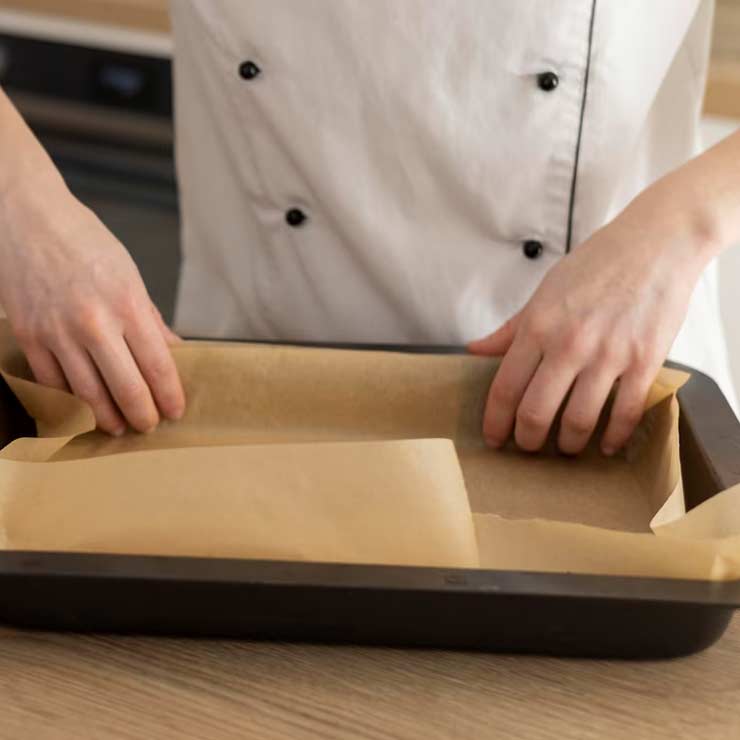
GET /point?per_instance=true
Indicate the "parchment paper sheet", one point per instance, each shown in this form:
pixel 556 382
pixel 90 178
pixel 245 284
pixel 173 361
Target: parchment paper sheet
pixel 333 455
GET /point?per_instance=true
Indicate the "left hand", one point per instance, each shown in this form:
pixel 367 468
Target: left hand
pixel 607 312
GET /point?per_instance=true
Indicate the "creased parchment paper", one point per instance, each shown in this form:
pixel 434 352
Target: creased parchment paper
pixel 332 455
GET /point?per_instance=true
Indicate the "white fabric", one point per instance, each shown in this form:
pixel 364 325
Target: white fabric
pixel 415 137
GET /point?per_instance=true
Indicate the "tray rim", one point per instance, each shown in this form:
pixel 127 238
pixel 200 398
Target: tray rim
pixel 352 577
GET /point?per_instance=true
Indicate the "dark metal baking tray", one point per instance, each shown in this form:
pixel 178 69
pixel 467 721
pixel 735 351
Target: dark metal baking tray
pixel 560 614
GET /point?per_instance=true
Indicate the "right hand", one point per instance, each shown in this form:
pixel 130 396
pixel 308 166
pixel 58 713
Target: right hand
pixel 81 313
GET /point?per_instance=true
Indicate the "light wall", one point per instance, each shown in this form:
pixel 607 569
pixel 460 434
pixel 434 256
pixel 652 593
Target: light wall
pixel 716 129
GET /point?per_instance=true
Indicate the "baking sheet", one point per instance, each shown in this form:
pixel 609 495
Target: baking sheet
pixel 343 456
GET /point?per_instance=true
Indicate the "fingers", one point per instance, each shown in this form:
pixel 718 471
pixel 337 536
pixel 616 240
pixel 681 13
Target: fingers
pixel 124 379
pixel 170 337
pixel 85 383
pixel 149 346
pixel 498 343
pixel 541 401
pixel 627 411
pixel 45 367
pixel 507 389
pixel 583 409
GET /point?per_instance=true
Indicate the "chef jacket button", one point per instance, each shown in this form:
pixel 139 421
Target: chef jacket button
pixel 532 249
pixel 295 217
pixel 249 70
pixel 548 81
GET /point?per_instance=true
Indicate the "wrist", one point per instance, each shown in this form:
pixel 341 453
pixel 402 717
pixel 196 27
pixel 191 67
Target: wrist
pixel 682 225
pixel 32 203
pixel 697 217
pixel 32 191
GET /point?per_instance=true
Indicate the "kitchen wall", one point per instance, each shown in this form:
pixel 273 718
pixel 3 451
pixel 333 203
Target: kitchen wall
pixel 723 117
pixel 723 94
pixel 715 129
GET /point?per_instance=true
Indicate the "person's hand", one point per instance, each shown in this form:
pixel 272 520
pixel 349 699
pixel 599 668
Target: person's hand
pixel 608 312
pixel 80 312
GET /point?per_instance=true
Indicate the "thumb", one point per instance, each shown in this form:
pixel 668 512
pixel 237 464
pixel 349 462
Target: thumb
pixel 498 343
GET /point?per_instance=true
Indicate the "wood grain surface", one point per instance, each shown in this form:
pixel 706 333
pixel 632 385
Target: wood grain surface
pixel 59 686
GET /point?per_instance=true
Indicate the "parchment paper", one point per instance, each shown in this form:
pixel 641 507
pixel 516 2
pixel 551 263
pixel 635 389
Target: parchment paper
pixel 332 455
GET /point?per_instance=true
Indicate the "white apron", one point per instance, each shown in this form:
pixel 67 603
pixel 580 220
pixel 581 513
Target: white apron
pixel 408 170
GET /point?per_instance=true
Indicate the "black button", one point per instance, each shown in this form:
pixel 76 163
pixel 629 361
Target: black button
pixel 249 70
pixel 548 81
pixel 295 217
pixel 532 249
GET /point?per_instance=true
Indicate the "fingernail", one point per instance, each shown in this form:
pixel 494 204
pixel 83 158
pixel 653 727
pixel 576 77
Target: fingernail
pixel 608 450
pixel 493 443
pixel 177 414
pixel 150 429
pixel 119 431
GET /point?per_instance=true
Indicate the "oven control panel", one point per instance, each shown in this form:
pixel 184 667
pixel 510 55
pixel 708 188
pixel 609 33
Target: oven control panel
pixel 93 76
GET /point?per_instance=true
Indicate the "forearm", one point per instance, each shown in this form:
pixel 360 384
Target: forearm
pixel 699 201
pixel 37 210
pixel 27 173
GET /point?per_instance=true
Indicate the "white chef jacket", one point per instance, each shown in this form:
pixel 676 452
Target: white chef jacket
pixel 405 171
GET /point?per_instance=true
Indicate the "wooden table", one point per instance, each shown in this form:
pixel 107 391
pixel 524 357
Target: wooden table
pixel 58 686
